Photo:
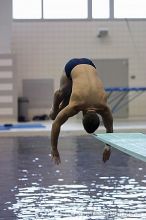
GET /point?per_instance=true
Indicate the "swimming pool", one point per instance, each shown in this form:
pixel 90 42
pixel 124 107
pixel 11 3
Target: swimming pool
pixel 82 187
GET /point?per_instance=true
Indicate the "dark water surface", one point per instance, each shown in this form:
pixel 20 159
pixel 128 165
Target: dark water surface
pixel 81 188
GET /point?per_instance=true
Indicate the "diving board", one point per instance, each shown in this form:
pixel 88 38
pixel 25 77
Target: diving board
pixel 133 144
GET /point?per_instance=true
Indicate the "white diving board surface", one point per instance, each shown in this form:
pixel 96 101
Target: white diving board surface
pixel 133 144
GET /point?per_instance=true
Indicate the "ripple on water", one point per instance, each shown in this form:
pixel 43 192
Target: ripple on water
pixel 80 202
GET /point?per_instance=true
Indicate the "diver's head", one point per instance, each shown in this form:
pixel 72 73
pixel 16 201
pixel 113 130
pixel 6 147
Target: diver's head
pixel 90 121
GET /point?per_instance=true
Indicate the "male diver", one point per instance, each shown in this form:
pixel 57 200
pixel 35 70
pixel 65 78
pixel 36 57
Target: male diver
pixel 80 90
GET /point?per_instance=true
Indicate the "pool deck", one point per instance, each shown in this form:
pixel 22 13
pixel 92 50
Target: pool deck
pixel 75 127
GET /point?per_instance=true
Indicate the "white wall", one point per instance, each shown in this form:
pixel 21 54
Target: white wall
pixel 5 25
pixel 42 48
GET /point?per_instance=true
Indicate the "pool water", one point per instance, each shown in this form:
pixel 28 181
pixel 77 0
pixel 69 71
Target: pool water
pixel 81 188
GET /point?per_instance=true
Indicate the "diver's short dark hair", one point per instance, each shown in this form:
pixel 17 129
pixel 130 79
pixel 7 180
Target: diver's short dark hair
pixel 91 122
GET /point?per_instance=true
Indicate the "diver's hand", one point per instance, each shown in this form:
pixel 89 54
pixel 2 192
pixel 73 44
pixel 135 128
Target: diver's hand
pixel 106 153
pixel 55 157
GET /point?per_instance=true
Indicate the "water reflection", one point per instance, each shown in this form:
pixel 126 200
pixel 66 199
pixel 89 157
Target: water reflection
pixel 82 188
pixel 97 201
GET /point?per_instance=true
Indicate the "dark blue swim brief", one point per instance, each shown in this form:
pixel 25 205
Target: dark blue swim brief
pixel 74 62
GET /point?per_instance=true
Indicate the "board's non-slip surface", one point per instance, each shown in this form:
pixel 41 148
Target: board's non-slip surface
pixel 133 144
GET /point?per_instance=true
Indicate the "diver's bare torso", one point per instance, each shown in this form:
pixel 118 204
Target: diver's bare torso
pixel 84 94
